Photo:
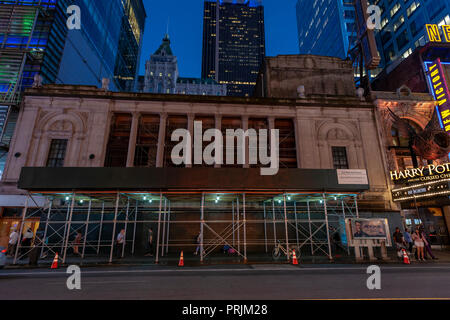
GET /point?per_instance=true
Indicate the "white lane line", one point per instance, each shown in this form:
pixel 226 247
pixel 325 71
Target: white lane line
pixel 220 270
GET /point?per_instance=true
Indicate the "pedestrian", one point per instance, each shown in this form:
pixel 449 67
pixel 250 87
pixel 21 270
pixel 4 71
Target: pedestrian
pixel 427 244
pixel 150 243
pixel 77 242
pixel 26 241
pixel 419 243
pixel 12 244
pixel 399 241
pixel 408 240
pixel 199 240
pixel 120 243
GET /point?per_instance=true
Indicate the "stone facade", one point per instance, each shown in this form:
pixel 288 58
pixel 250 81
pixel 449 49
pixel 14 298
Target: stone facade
pixel 83 116
pixel 161 76
pixel 281 76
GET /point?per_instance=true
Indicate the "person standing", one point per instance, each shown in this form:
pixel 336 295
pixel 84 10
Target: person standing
pixel 419 243
pixel 12 244
pixel 120 243
pixel 399 240
pixel 150 243
pixel 408 240
pixel 77 242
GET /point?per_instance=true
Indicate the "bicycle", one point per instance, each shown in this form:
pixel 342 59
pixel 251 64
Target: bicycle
pixel 279 249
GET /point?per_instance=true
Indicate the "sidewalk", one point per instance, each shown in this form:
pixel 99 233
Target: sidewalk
pixel 191 260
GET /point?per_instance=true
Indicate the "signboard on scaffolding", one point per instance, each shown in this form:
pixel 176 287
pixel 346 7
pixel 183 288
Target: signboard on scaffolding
pixel 353 176
pixel 369 229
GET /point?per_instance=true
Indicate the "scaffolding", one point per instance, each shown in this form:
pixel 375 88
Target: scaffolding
pixel 251 223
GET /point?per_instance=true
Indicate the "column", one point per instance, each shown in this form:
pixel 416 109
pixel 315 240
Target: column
pixel 246 142
pixel 133 139
pixel 161 140
pixel 190 128
pixel 218 125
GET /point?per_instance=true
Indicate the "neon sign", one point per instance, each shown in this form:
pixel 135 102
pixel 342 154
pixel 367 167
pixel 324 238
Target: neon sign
pixel 434 34
pixel 439 88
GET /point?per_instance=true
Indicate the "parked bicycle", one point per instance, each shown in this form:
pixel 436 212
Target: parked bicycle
pixel 281 250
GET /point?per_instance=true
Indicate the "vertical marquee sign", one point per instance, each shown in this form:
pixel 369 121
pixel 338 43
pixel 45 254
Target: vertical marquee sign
pixel 440 90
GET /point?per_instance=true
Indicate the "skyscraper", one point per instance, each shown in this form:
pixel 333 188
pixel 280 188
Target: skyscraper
pixel 326 27
pixel 34 39
pixel 403 26
pixel 233 43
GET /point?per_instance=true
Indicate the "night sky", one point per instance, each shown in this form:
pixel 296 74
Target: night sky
pixel 186 31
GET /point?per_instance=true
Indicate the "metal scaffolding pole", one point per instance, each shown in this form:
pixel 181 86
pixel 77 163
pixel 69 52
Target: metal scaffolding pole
pixel 274 225
pixel 238 218
pixel 202 218
pixel 168 229
pixel 116 210
pixel 101 227
pixel 232 219
pixel 356 205
pixel 245 228
pixel 286 227
pixel 310 229
pixel 126 227
pixel 134 228
pixel 343 213
pixel 65 226
pixel 296 224
pixel 69 225
pixel 46 226
pixel 164 228
pixel 159 229
pixel 87 227
pixel 19 241
pixel 265 227
pixel 326 224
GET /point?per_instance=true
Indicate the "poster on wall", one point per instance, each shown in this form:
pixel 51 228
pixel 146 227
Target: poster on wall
pixel 364 229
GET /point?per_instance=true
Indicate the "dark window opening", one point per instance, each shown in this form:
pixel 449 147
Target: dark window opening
pixel 57 153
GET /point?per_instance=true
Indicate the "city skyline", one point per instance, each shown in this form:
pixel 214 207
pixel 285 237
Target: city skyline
pixel 186 41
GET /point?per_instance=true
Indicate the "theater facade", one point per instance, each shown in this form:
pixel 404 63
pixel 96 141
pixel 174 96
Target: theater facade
pixel 92 161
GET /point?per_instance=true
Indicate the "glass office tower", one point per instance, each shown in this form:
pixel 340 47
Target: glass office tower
pixel 327 27
pixel 233 43
pixel 403 26
pixel 34 39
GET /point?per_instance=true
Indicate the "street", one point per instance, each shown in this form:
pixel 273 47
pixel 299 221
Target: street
pixel 239 282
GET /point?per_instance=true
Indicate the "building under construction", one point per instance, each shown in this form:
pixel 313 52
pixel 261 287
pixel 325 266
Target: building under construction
pixel 95 162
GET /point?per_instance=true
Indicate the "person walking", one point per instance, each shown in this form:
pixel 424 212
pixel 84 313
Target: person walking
pixel 419 243
pixel 150 243
pixel 12 244
pixel 427 244
pixel 77 242
pixel 26 241
pixel 120 243
pixel 408 240
pixel 199 240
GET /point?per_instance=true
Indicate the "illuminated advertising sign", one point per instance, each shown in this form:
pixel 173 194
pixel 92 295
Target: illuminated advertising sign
pixel 430 172
pixel 434 35
pixel 439 87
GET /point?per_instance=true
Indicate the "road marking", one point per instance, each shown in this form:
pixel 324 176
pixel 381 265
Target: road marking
pixel 85 272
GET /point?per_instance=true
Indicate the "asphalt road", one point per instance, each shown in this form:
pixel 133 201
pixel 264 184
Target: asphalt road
pixel 257 282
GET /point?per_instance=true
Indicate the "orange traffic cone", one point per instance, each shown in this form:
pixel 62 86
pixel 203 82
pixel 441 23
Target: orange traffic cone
pixel 405 257
pixel 181 263
pixel 55 262
pixel 294 258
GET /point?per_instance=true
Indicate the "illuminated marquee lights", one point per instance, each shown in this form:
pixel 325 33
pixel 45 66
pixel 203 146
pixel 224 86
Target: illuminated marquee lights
pixel 434 33
pixel 425 190
pixel 439 87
